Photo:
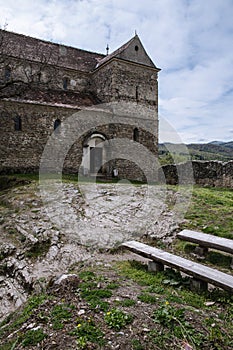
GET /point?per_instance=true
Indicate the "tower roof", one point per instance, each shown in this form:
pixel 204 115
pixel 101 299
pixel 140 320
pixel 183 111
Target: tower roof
pixel 132 51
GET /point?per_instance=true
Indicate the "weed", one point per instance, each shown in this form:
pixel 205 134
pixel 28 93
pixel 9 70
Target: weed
pixel 117 319
pixel 174 319
pixel 87 275
pixel 39 249
pixel 33 337
pixel 167 315
pixel 96 293
pixel 136 344
pixel 126 302
pixel 148 298
pixel 155 289
pixel 98 305
pixel 175 279
pixel 60 314
pixel 12 231
pixel 90 291
pixel 138 272
pixel 87 332
pixel 112 285
pixel 213 257
pixel 161 338
pixel 32 303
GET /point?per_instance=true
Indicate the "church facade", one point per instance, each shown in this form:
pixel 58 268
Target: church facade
pixel 42 84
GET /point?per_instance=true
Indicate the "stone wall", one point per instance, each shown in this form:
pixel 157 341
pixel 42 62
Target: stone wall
pixel 123 81
pixel 21 150
pixel 204 173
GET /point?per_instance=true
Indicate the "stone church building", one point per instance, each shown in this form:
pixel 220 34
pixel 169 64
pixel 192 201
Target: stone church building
pixel 43 83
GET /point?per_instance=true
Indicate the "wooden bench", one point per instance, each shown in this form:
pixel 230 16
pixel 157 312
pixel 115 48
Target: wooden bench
pixel 202 275
pixel 206 241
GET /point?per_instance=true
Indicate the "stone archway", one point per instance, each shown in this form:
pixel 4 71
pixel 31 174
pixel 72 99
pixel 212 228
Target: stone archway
pixel 94 154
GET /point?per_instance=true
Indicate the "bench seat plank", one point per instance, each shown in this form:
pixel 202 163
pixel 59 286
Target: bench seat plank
pixel 197 270
pixel 207 240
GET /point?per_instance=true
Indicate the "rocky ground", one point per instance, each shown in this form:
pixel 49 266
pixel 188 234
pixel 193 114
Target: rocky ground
pixel 41 232
pixel 62 269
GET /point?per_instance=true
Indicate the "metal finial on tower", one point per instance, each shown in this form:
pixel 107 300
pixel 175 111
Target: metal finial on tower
pixel 136 32
pixel 107 50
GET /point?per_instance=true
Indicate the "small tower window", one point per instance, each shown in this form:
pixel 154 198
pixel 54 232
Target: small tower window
pixel 65 83
pixel 7 73
pixel 39 74
pixel 18 123
pixel 137 94
pixel 136 48
pixel 136 135
pixel 57 123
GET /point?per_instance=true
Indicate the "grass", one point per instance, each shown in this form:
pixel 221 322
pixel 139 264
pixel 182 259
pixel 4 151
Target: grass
pixel 175 316
pixel 60 314
pixel 211 211
pixel 215 258
pixel 175 303
pixel 117 319
pixel 172 315
pixel 86 332
pixel 32 303
pixel 38 250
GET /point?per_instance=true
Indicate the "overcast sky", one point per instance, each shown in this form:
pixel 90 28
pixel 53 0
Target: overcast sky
pixel 190 40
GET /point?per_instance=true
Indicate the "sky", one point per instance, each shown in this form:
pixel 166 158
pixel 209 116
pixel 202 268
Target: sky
pixel 190 40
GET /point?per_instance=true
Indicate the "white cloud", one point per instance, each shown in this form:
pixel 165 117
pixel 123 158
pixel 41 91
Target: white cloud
pixel 190 40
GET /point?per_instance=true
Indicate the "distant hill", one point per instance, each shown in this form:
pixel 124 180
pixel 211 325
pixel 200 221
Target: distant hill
pixel 221 143
pixel 216 150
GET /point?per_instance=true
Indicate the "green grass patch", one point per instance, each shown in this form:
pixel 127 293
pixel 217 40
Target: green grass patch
pixel 117 319
pixel 216 258
pixel 33 337
pixel 138 273
pixel 94 289
pixel 87 332
pixel 60 314
pixel 210 211
pixel 33 303
pixel 148 298
pixel 125 302
pixel 38 250
pixel 16 320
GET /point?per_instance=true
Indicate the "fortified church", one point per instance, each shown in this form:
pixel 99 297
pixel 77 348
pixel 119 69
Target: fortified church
pixel 43 83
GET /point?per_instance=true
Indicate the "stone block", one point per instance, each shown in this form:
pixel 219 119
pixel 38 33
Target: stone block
pixel 154 266
pixel 198 285
pixel 202 251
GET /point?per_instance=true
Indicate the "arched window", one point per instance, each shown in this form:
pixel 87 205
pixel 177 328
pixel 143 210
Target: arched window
pixel 56 125
pixel 136 135
pixel 18 123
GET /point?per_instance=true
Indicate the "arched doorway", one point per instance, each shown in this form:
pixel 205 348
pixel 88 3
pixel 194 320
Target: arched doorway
pixel 94 154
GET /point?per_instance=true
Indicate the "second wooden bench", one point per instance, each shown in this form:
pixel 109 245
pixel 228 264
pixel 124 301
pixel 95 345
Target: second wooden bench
pixel 202 275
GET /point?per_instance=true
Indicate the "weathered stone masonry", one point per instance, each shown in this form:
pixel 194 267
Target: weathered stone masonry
pixel 204 173
pixel 45 83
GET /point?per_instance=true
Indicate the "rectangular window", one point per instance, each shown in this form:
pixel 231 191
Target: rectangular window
pixel 18 123
pixel 7 73
pixel 65 83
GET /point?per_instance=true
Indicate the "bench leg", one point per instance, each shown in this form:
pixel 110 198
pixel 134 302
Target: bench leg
pixel 198 285
pixel 154 266
pixel 202 251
